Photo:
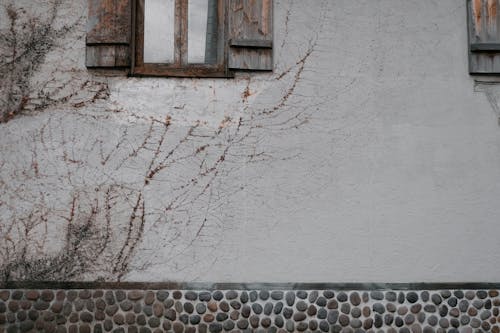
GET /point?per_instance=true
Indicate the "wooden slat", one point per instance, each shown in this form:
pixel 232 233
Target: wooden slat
pixel 251 35
pixel 484 39
pixel 107 56
pixel 109 21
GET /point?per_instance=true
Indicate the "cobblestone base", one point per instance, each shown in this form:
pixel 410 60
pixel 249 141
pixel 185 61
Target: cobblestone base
pixel 121 309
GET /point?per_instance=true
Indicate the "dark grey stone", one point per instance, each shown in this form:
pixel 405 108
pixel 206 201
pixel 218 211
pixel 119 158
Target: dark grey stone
pixel 268 308
pixel 277 295
pixel 482 294
pixel 356 312
pixel 253 296
pixel 485 314
pixel 345 308
pixel 246 310
pixel 445 294
pixel 388 319
pixel 290 325
pixel 401 297
pixel 378 295
pixel 333 316
pixel 264 295
pixel 301 306
pixel 409 319
pixel 444 323
pixel 302 294
pixel 290 298
pixel 424 296
pixel 379 308
pixel 162 295
pixel 412 297
pixel 215 328
pixel 278 307
pixel 390 296
pixel 475 323
pixel 244 297
pixel 342 297
pixel 168 303
pixel 443 310
pixel 356 323
pixel 328 294
pixel 478 304
pixel 432 320
pixel 324 326
pixel 228 325
pixel 170 314
pixel 231 294
pixel 242 324
pixel 321 301
pixel 191 295
pixel 201 308
pixel 221 316
pixel 287 313
pixel 299 316
pixel 278 321
pixel 436 299
pixel 463 305
pixel 154 322
pixel 322 313
pixel 257 308
pixel 148 310
pixel 458 294
pixel 399 321
pixel 313 296
pixel 217 295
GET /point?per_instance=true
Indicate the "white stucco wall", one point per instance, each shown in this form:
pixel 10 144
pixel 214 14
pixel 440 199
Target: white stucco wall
pixel 368 155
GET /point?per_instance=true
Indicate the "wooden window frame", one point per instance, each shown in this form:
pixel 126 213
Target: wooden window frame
pixel 180 67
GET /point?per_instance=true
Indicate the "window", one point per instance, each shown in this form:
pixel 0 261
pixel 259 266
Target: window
pixel 185 38
pixel 484 36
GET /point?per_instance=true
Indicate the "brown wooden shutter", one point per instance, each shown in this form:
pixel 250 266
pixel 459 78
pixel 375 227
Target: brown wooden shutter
pixel 484 36
pixel 108 33
pixel 250 34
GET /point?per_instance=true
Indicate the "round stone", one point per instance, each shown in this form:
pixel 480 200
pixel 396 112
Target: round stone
pixel 463 305
pixel 355 298
pixel 264 295
pixel 485 314
pixel 154 322
pixel 424 296
pixel 290 325
pixel 366 311
pixel 399 321
pixel 86 317
pixel 268 308
pixel 228 325
pixel 279 321
pixel 299 316
pixel 322 313
pixel 191 295
pixel 379 308
pixel 333 316
pixel 409 319
pixel 412 297
pixel 178 327
pixel 388 319
pixel 208 317
pixel 454 312
pixel 356 312
pixel 215 328
pixel 242 324
pixel 472 312
pixel 290 298
pixel 328 294
pixel 301 306
pixel 257 308
pixel 443 310
pixel 332 304
pixel 415 308
pixel 321 301
pixel 475 323
pixel 244 297
pixel 345 308
pixel 188 307
pixel 444 323
pixel 390 296
pixel 368 323
pixel 344 320
pixel 235 315
pixel 401 297
pixel 245 311
pixel 324 326
pixel 221 316
pixel 482 294
pixel 432 320
pixel 342 297
pixel 212 306
pixel 277 295
pixel 478 304
pixel 378 295
pixel 278 307
pixel 170 314
pixel 253 296
pixel 205 296
pixel 390 307
pixel 470 294
pixel 217 295
pixel 231 294
pixel 130 318
pixel 287 313
pixel 254 321
pixel 313 296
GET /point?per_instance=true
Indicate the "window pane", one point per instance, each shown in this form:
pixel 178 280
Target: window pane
pixel 202 31
pixel 159 31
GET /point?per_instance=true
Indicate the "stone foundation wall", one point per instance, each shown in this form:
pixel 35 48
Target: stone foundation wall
pixel 146 308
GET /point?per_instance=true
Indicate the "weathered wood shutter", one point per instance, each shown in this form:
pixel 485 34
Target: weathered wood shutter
pixel 250 34
pixel 484 36
pixel 108 33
